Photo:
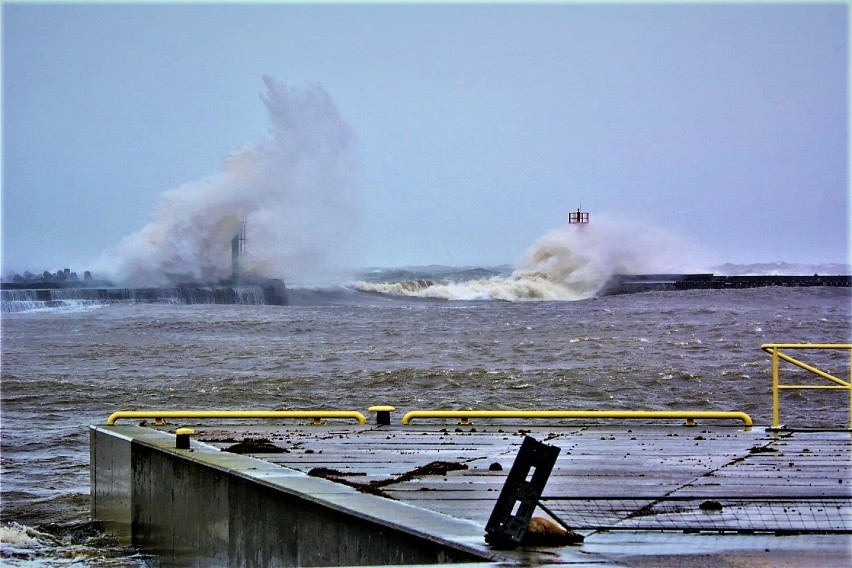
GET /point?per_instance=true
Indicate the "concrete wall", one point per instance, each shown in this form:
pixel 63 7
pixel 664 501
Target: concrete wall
pixel 110 483
pixel 203 507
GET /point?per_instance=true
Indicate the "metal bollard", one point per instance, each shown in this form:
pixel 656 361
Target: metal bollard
pixel 182 438
pixel 382 414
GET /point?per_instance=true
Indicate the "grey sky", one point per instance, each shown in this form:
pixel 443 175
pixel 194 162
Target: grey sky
pixel 477 128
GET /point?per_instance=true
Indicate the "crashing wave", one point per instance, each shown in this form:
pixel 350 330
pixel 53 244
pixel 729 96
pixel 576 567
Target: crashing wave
pixel 570 263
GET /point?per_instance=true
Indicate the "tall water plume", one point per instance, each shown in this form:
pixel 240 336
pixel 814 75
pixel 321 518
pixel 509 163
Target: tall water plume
pixel 294 190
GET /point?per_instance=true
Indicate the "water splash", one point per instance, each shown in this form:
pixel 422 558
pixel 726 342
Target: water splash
pixel 582 258
pixel 294 189
pixel 72 544
pixel 572 262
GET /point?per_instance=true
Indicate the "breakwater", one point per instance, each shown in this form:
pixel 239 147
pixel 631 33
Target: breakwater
pixel 20 297
pixel 630 284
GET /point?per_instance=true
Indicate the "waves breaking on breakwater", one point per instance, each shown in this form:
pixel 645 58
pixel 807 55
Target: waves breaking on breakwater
pixel 536 286
pixel 19 300
pixel 428 283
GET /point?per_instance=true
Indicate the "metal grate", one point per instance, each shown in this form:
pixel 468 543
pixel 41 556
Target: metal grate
pixel 789 514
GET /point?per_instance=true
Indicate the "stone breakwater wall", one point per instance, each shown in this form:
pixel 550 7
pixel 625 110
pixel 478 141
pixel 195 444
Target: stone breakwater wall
pixel 629 284
pixel 272 293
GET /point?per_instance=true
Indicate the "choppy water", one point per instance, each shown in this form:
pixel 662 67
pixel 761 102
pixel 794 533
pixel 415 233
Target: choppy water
pixel 66 368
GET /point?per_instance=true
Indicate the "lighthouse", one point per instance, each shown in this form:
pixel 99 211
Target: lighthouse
pixel 578 217
pixel 238 244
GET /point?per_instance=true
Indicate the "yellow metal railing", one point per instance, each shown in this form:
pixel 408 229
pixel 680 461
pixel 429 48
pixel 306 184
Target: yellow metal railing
pixel 774 349
pixel 315 415
pixel 689 415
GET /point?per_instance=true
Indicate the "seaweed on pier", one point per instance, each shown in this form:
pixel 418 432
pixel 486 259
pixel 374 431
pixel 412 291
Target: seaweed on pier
pixel 375 487
pixel 255 446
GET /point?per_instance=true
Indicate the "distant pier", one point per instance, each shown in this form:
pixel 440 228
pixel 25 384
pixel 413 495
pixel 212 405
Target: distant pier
pixel 631 284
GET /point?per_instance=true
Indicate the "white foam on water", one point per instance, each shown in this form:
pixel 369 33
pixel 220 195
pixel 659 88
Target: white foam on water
pixel 20 541
pixel 71 306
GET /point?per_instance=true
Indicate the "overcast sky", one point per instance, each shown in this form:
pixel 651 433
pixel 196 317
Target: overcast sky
pixel 476 128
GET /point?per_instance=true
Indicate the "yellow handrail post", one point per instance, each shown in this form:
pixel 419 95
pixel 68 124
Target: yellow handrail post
pixel 776 420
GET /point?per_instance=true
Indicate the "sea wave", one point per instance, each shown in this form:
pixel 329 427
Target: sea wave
pixel 522 286
pixel 77 544
pixel 571 262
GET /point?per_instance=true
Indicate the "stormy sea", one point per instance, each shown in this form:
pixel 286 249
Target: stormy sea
pixel 385 337
pixel 535 335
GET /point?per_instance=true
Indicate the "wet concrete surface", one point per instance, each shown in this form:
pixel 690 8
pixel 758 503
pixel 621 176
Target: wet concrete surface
pixel 640 461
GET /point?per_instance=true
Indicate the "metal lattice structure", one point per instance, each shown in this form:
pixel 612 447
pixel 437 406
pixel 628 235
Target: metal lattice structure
pixel 788 514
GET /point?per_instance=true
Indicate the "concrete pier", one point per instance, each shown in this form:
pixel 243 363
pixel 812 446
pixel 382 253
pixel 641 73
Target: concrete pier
pixel 420 494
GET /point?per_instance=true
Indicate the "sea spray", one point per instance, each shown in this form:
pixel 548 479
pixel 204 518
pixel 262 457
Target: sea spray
pixel 583 257
pixel 572 262
pixel 294 190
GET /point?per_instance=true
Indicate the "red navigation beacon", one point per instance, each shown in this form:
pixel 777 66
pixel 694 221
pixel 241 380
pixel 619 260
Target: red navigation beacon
pixel 578 217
